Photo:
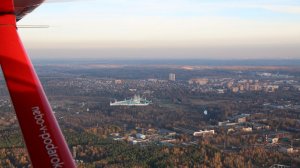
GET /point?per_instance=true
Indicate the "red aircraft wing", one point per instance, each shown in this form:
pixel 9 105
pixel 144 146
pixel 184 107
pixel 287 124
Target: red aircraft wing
pixel 44 141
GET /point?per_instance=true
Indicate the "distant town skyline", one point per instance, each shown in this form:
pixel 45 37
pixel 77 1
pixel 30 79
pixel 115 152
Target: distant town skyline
pixel 266 29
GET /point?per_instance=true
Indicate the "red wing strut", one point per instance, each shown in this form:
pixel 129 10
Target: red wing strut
pixel 44 141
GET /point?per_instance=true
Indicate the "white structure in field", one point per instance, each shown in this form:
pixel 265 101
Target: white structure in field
pixel 172 77
pixel 203 133
pixel 135 101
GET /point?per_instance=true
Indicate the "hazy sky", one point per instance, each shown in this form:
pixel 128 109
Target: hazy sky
pixel 215 29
